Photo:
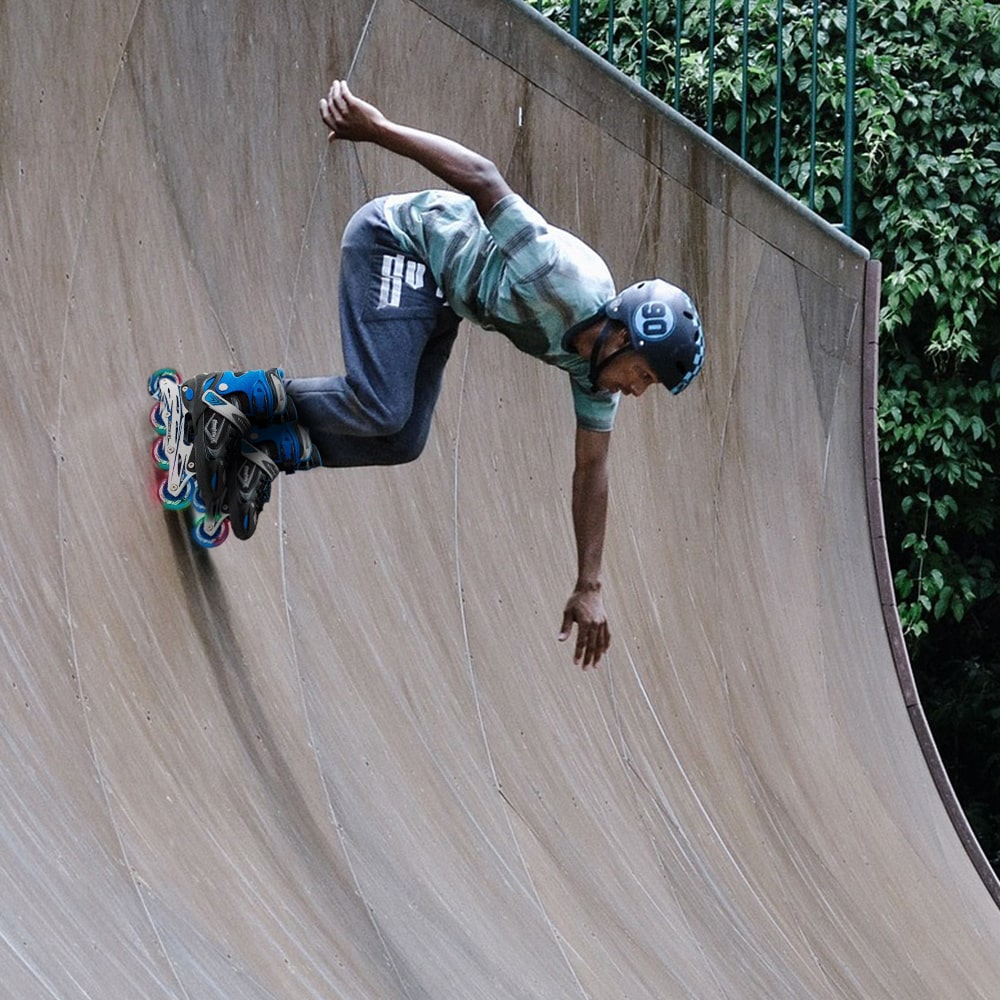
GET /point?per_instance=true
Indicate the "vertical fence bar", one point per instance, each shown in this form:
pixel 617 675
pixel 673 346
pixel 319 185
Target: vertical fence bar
pixel 611 32
pixel 744 88
pixel 644 42
pixel 813 99
pixel 779 71
pixel 849 122
pixel 710 104
pixel 574 18
pixel 678 30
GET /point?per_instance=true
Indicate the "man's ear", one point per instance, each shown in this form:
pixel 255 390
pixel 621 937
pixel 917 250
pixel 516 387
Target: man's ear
pixel 618 337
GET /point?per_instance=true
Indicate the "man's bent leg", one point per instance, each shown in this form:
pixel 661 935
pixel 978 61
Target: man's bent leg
pixel 405 444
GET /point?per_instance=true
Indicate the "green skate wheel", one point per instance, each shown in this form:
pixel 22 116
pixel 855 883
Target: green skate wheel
pixel 160 457
pixel 156 419
pixel 176 501
pixel 154 380
pixel 206 540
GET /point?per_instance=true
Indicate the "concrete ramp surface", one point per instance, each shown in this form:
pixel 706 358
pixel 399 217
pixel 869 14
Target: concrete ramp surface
pixel 349 758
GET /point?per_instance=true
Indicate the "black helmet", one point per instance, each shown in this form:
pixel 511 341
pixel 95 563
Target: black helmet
pixel 664 327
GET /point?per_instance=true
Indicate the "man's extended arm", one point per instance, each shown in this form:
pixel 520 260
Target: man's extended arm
pixel 585 607
pixel 353 119
pixel 348 117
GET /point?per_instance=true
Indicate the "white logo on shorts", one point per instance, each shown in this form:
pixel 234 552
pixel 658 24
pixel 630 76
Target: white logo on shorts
pixel 397 269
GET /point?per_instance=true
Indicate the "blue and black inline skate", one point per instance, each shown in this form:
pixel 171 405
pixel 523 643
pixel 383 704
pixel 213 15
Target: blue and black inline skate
pixel 223 406
pixel 222 439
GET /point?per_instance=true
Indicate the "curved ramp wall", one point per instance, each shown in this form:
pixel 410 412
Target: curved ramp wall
pixel 348 758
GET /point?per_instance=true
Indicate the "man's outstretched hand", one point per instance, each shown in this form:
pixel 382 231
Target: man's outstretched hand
pixel 347 116
pixel 585 609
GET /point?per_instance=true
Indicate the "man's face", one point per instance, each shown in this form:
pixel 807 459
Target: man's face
pixel 629 373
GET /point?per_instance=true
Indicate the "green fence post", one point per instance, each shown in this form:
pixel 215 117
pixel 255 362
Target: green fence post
pixel 746 72
pixel 644 42
pixel 779 70
pixel 611 32
pixel 849 122
pixel 813 99
pixel 678 30
pixel 710 104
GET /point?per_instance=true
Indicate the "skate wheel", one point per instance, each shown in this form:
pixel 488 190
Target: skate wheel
pixel 177 501
pixel 206 540
pixel 198 503
pixel 159 452
pixel 156 419
pixel 154 380
pixel 154 485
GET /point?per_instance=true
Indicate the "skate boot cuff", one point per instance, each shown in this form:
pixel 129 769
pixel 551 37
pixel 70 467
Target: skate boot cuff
pixel 283 447
pixel 243 398
pixel 268 398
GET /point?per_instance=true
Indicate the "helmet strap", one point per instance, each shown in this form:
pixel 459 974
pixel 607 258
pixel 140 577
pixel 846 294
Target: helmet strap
pixel 598 364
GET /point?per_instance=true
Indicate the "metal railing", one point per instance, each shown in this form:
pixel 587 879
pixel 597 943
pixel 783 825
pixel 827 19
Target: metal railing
pixel 719 57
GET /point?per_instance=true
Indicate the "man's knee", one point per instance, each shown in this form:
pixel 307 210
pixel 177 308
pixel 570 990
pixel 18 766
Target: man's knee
pixel 407 444
pixel 402 452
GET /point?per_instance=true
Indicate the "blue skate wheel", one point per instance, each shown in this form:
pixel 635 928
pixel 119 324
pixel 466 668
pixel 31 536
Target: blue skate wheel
pixel 160 457
pixel 178 501
pixel 156 419
pixel 154 380
pixel 206 540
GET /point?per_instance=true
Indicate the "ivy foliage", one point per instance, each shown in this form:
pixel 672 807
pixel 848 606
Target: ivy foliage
pixel 927 204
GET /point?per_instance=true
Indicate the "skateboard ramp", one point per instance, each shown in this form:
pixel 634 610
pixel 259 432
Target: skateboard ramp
pixel 349 758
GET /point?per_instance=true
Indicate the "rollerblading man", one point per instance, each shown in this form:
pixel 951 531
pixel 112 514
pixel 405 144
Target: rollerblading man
pixel 413 266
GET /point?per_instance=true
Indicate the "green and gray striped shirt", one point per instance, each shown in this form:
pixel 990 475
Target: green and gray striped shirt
pixel 513 273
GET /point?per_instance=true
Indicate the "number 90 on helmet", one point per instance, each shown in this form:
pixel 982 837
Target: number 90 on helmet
pixel 664 327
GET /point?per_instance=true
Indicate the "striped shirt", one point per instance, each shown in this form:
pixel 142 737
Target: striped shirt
pixel 513 273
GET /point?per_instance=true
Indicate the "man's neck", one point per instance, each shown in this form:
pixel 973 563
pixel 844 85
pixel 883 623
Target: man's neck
pixel 583 342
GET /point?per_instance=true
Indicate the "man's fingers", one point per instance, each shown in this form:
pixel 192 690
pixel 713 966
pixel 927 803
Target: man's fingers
pixel 335 102
pixel 604 639
pixel 326 113
pixel 340 95
pixel 587 651
pixel 591 645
